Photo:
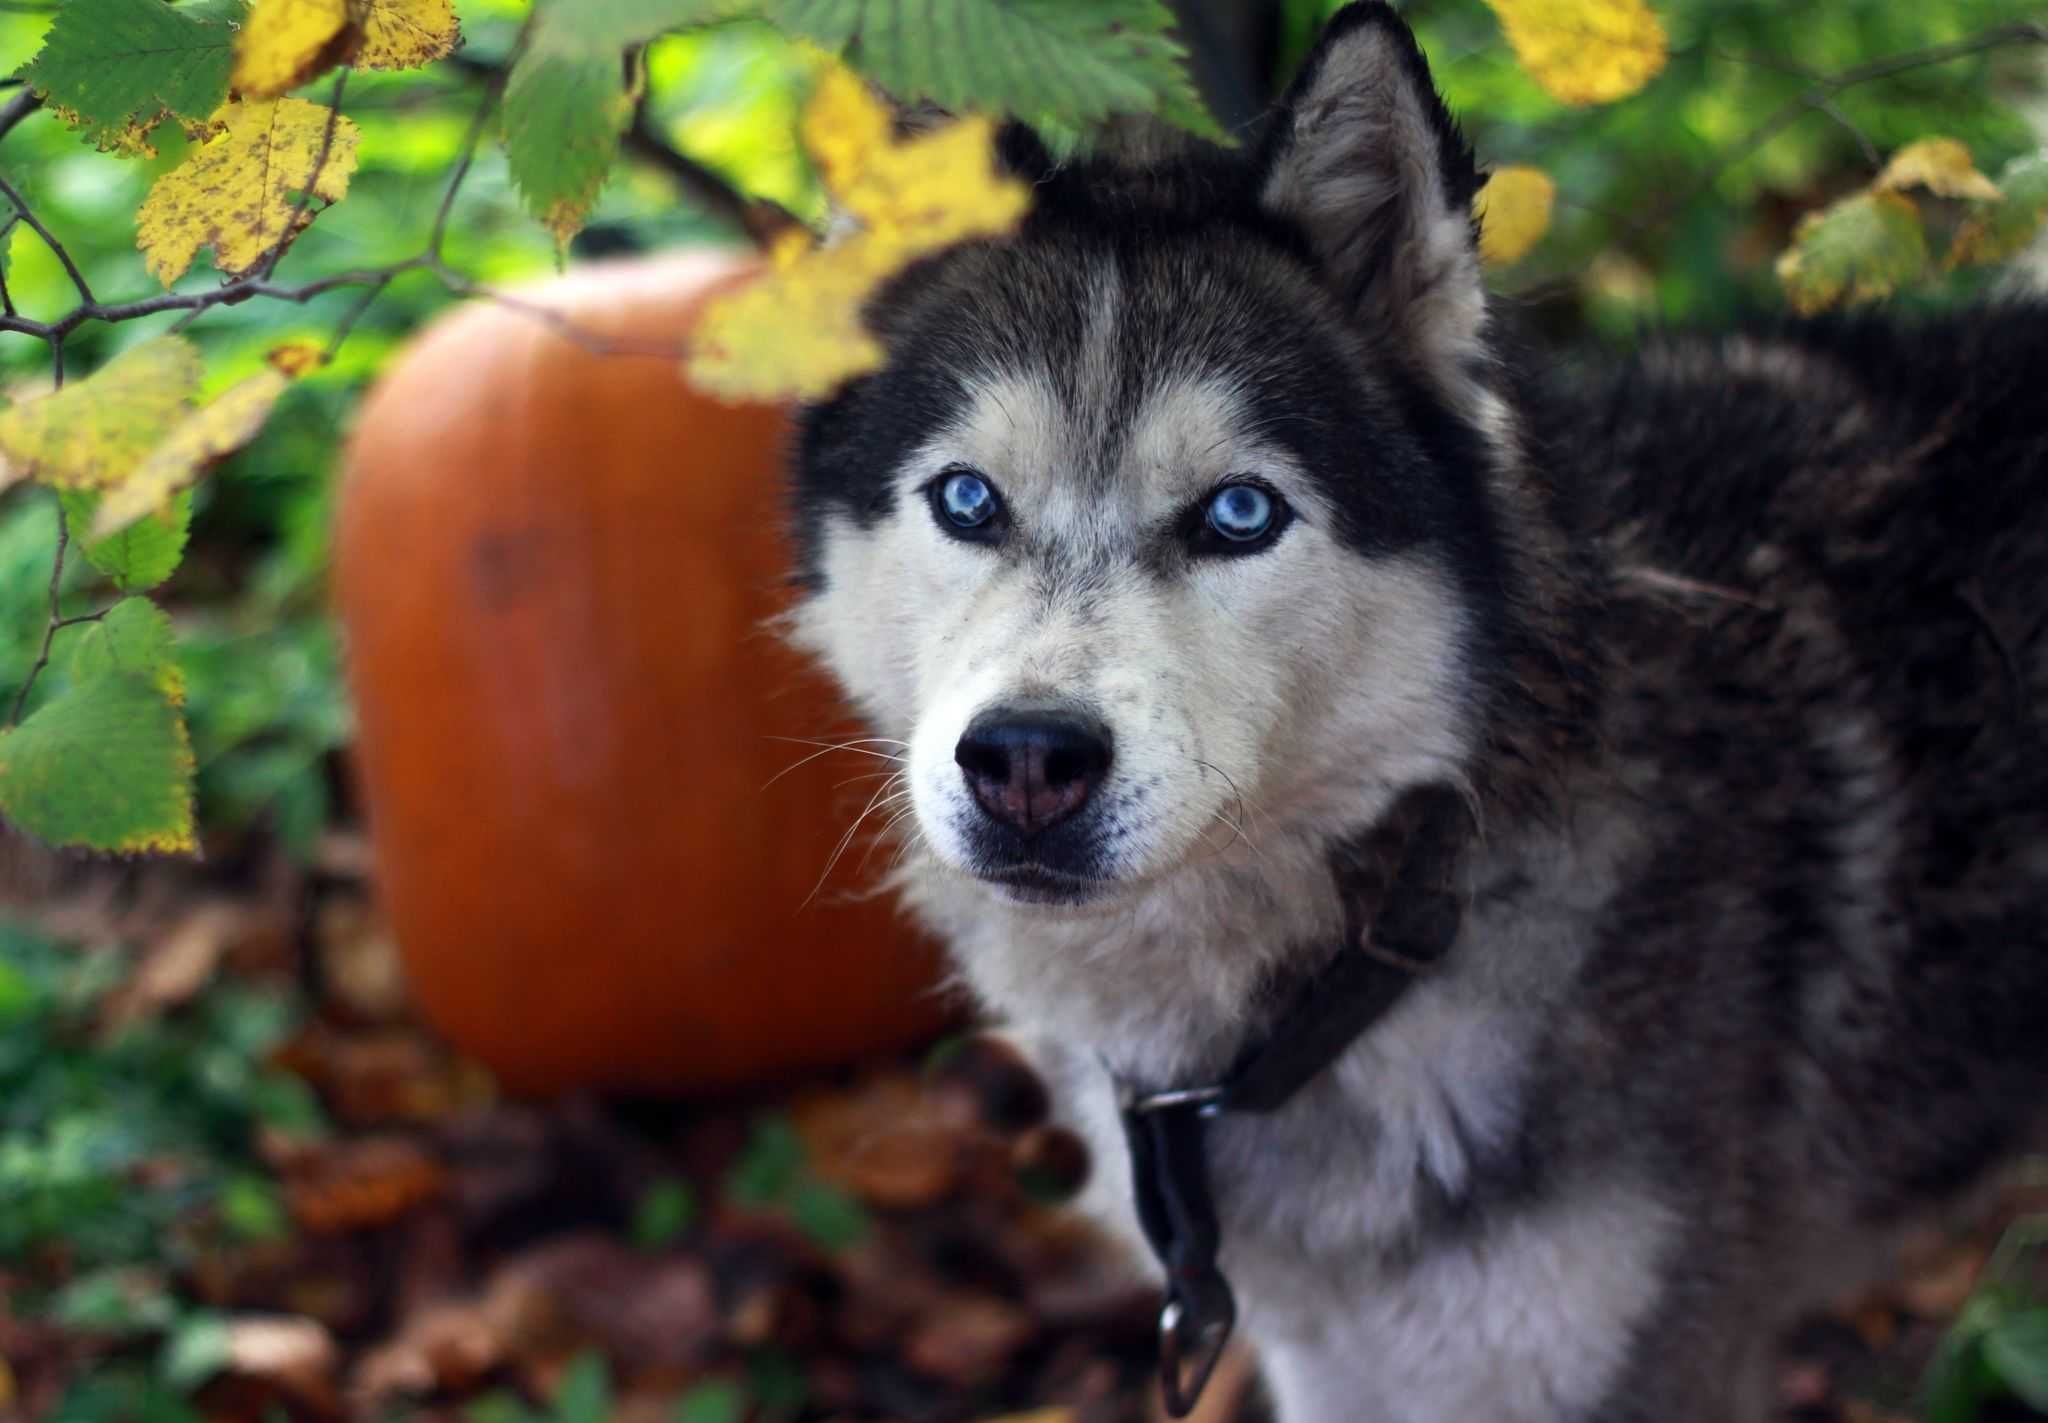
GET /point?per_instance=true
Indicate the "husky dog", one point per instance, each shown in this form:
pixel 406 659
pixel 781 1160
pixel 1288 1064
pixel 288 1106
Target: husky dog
pixel 1193 528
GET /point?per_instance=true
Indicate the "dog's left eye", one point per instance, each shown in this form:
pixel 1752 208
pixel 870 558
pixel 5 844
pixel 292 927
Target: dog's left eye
pixel 1240 512
pixel 1239 518
pixel 966 505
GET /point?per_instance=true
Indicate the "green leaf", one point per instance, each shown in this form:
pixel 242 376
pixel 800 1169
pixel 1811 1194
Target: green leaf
pixel 105 766
pixel 565 108
pixel 2006 226
pixel 663 1214
pixel 567 99
pixel 1858 249
pixel 250 1206
pixel 1958 1379
pixel 584 1394
pixel 832 1219
pixel 119 67
pixel 2016 1347
pixel 196 1351
pixel 714 1401
pixel 138 557
pixel 1039 59
pixel 134 637
pixel 768 1169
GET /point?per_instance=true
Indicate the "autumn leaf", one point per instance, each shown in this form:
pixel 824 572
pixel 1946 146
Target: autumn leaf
pixel 1858 249
pixel 796 331
pixel 403 34
pixel 107 765
pixel 1514 213
pixel 284 43
pixel 239 193
pixel 1997 230
pixel 222 427
pixel 295 358
pixel 117 68
pixel 1943 166
pixel 93 432
pixel 1584 51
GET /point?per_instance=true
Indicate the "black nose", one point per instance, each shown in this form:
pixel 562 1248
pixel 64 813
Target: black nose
pixel 1033 769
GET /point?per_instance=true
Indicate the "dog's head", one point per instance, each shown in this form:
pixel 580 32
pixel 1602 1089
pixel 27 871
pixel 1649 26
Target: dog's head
pixel 1165 529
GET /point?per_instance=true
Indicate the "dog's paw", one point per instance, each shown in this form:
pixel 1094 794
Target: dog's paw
pixel 985 1082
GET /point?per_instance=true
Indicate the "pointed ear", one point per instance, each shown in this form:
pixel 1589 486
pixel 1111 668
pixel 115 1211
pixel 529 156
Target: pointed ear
pixel 1365 159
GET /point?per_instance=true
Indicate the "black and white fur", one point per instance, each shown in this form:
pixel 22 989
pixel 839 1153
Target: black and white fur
pixel 1738 654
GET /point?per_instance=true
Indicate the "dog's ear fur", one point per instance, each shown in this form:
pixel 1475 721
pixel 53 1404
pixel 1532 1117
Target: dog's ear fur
pixel 1364 158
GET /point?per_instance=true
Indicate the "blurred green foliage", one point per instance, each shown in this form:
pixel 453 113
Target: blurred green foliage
pixel 1669 209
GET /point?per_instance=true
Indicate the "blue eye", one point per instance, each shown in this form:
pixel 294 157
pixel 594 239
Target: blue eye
pixel 1241 512
pixel 965 498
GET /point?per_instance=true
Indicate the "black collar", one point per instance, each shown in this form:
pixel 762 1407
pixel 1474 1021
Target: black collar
pixel 1402 915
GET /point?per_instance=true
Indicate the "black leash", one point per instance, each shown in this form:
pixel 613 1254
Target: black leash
pixel 1404 875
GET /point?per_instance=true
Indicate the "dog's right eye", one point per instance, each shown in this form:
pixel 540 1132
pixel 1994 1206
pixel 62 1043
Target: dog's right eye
pixel 966 505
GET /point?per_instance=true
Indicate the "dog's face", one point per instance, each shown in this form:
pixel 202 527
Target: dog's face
pixel 1163 530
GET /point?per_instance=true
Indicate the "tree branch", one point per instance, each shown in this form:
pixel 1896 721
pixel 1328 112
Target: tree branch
pixel 18 108
pixel 298 217
pixel 56 619
pixel 21 209
pixel 757 217
pixel 1819 97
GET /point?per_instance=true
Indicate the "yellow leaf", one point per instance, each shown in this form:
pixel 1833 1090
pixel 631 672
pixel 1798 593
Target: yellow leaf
pixel 1584 51
pixel 1858 249
pixel 796 331
pixel 221 428
pixel 401 34
pixel 1997 230
pixel 296 358
pixel 284 43
pixel 1514 213
pixel 1942 166
pixel 93 432
pixel 239 193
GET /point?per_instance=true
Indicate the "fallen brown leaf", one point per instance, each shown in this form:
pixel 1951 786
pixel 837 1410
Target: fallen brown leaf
pixel 177 966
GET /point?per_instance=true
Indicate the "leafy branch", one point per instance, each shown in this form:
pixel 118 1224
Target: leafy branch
pixel 1823 89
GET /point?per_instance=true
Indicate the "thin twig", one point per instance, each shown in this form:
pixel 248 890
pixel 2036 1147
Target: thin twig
pixel 50 629
pixel 470 140
pixel 6 233
pixel 349 319
pixel 1826 86
pixel 35 223
pixel 19 108
pixel 298 217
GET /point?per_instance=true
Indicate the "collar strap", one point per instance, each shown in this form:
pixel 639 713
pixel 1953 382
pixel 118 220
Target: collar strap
pixel 1403 914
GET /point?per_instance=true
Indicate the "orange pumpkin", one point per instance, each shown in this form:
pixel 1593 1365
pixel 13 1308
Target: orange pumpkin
pixel 553 569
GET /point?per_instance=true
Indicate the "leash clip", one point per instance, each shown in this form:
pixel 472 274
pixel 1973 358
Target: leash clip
pixel 1193 1329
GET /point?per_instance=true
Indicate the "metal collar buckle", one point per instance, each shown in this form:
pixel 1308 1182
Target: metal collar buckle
pixel 1194 1327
